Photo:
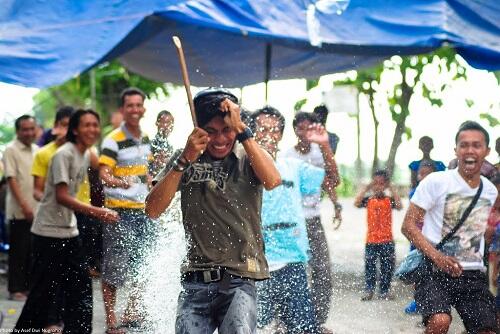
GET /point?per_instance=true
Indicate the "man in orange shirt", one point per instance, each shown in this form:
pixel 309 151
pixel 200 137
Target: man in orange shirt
pixel 379 241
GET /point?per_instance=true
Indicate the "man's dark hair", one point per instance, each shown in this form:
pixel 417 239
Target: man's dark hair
pixel 383 173
pixel 129 92
pixel 64 112
pixel 321 113
pixel 207 103
pixel 303 116
pixel 74 121
pixel 268 110
pixel 163 113
pixel 471 125
pixel 18 121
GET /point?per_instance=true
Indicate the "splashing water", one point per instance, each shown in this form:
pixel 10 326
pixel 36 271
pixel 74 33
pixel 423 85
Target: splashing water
pixel 161 270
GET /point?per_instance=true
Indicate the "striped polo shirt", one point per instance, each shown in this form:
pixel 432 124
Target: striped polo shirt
pixel 128 157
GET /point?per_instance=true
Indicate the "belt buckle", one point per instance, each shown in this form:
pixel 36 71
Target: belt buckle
pixel 207 276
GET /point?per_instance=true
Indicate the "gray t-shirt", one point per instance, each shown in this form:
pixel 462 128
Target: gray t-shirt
pixel 221 203
pixel 53 219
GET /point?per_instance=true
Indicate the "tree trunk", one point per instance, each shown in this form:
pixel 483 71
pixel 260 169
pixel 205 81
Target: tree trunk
pixel 376 160
pixel 407 92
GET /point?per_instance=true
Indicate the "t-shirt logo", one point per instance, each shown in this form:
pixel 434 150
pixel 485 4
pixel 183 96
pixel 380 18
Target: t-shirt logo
pixel 205 172
pixel 466 242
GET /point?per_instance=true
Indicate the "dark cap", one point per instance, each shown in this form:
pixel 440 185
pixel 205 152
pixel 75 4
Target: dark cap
pixel 207 103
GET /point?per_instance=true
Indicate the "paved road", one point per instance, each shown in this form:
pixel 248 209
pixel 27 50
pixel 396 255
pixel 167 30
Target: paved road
pixel 348 315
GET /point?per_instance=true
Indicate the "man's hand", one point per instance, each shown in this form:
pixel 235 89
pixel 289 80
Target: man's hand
pixel 316 133
pixel 232 118
pixel 27 212
pixel 196 144
pixel 448 264
pixel 108 216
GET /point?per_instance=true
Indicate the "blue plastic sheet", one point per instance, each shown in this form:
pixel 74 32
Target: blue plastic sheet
pixel 235 43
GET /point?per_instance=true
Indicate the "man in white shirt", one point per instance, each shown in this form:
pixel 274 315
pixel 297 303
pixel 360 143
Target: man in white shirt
pixel 458 278
pixel 20 204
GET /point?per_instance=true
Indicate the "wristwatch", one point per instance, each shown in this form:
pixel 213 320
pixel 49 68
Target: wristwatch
pixel 337 206
pixel 180 165
pixel 246 134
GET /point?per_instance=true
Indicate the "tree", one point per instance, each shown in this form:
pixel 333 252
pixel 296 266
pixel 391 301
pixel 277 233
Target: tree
pixel 409 71
pixel 107 81
pixel 367 82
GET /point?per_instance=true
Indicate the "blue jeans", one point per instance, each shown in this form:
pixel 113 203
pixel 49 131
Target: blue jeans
pixel 286 297
pixel 204 307
pixel 385 252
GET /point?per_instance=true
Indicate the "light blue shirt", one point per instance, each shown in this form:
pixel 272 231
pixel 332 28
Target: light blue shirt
pixel 283 222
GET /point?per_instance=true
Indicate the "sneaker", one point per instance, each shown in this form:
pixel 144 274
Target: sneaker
pixel 411 308
pixel 386 296
pixel 367 296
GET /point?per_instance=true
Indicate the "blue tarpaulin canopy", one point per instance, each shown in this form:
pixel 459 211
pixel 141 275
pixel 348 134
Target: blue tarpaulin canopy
pixel 232 42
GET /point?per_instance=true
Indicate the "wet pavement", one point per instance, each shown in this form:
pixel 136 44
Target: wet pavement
pixel 348 314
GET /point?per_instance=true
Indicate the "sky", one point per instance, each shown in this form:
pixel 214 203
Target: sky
pixel 439 123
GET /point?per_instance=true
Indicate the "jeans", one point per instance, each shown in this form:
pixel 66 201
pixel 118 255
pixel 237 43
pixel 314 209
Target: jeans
pixel 285 297
pixel 204 307
pixel 385 252
pixel 321 269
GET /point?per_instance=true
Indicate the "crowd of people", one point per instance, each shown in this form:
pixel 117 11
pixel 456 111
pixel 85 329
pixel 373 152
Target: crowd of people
pixel 80 205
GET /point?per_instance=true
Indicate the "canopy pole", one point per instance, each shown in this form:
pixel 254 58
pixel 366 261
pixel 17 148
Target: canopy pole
pixel 267 74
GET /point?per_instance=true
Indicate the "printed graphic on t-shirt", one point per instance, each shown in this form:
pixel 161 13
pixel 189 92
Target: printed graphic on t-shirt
pixel 214 174
pixel 465 244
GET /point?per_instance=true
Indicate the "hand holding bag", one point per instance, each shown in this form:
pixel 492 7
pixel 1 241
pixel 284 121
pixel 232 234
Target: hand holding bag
pixel 415 266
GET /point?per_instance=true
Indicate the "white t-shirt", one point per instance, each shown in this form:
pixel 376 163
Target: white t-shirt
pixel 310 202
pixel 445 196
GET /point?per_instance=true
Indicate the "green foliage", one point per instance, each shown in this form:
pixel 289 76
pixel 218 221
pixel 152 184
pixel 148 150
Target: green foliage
pixel 299 104
pixel 348 184
pixel 311 83
pixel 7 133
pixel 110 79
pixel 492 120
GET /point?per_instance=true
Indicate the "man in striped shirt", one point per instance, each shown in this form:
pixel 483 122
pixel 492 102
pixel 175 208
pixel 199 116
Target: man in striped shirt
pixel 123 163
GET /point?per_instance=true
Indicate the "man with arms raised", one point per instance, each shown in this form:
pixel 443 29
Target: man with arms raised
pixel 458 278
pixel 221 196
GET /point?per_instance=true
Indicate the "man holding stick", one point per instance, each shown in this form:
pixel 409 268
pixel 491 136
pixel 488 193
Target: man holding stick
pixel 221 194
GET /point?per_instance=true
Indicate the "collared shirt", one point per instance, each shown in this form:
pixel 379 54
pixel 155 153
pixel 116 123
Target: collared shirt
pixel 128 157
pixel 17 160
pixel 221 204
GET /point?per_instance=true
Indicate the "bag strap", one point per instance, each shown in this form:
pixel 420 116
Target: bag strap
pixel 464 216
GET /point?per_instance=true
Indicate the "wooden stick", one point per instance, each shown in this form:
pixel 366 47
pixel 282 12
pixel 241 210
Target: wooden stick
pixel 185 77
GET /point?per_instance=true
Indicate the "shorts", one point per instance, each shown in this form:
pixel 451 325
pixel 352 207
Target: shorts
pixel 286 296
pixel 204 307
pixel 468 294
pixel 125 245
